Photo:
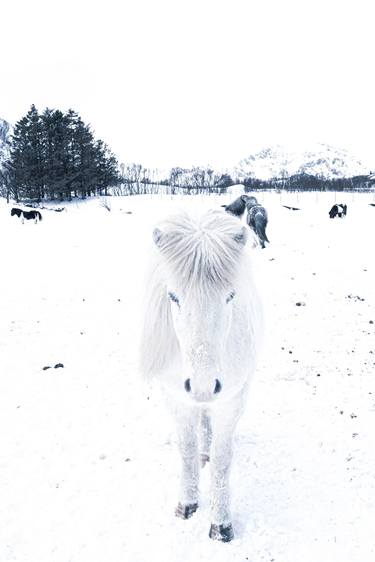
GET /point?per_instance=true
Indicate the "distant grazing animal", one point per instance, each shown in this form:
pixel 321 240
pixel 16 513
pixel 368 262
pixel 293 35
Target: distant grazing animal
pixel 338 210
pixel 238 206
pixel 372 204
pixel 201 334
pixel 257 219
pixel 28 215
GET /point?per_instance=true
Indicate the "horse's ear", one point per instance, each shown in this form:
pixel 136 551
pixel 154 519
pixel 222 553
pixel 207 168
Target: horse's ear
pixel 241 236
pixel 157 236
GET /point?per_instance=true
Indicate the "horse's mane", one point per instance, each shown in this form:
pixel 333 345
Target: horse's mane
pixel 203 254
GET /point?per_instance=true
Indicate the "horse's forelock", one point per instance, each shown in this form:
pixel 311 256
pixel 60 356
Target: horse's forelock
pixel 202 253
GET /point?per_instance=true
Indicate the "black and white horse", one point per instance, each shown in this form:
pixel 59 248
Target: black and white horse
pixel 28 215
pixel 338 210
pixel 257 219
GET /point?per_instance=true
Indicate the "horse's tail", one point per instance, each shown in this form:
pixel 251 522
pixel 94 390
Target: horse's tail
pixel 39 215
pixel 260 228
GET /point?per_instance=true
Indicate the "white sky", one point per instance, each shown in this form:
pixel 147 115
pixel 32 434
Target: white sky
pixel 182 82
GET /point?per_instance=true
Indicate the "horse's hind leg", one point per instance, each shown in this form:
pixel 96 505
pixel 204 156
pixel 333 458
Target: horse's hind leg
pixel 187 425
pixel 205 437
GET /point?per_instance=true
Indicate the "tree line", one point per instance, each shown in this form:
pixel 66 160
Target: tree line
pixel 136 180
pixel 55 155
pixel 308 182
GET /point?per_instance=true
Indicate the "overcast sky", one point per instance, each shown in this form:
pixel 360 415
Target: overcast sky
pixel 182 82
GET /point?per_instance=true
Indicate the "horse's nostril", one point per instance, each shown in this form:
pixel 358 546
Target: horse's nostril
pixel 187 385
pixel 217 386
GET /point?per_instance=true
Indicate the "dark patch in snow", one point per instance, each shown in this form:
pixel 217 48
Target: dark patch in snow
pixel 355 297
pixel 59 366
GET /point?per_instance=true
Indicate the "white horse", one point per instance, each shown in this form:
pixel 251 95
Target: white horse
pixel 202 329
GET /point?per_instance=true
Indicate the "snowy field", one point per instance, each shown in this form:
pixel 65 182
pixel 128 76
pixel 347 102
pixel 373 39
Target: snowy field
pixel 88 464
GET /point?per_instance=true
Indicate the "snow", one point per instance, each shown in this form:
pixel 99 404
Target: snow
pixel 235 190
pixel 5 132
pixel 88 466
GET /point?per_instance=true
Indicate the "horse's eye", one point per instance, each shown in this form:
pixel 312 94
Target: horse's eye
pixel 231 296
pixel 173 298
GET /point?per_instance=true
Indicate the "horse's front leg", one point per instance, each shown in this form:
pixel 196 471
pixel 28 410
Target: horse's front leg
pixel 187 426
pixel 223 425
pixel 205 437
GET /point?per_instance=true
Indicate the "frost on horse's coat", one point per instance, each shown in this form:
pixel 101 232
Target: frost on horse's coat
pixel 201 333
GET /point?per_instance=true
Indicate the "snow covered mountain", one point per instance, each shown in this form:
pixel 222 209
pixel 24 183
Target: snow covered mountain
pixel 323 160
pixel 5 132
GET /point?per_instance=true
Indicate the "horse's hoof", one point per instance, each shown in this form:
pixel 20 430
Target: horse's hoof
pixel 223 533
pixel 186 511
pixel 204 459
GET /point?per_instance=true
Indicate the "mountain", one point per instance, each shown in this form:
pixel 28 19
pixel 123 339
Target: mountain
pixel 323 160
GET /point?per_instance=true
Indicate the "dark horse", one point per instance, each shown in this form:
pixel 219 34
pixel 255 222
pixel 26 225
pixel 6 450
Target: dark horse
pixel 238 206
pixel 257 219
pixel 251 202
pixel 338 210
pixel 28 215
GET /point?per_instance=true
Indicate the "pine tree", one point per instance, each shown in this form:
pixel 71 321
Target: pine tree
pixel 25 166
pixel 107 172
pixel 56 155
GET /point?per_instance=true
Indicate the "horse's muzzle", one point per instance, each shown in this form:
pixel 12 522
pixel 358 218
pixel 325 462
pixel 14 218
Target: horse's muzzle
pixel 202 396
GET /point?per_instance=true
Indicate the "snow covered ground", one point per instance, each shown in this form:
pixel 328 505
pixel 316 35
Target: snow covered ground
pixel 88 464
